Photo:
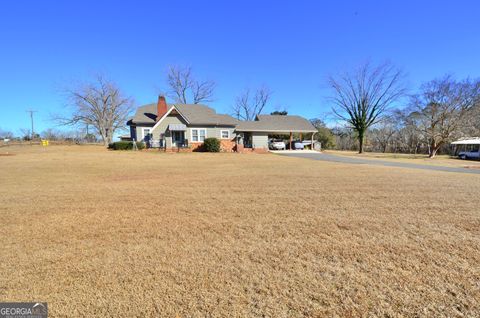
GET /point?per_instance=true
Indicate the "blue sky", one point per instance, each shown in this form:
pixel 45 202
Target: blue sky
pixel 290 46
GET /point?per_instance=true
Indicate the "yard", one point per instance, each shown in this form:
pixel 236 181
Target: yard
pixel 102 233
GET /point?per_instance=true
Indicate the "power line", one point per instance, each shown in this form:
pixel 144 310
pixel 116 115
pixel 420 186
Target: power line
pixel 31 119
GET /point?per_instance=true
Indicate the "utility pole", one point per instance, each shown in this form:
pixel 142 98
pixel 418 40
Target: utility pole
pixel 31 119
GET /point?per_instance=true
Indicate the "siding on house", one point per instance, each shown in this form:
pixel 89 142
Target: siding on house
pixel 160 132
pixel 212 131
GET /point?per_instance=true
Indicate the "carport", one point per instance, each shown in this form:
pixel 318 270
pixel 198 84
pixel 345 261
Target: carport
pixel 467 144
pixel 254 134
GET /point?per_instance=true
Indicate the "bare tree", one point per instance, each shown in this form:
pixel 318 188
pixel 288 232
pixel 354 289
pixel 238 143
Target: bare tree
pixel 25 134
pixel 362 97
pixel 185 89
pixel 248 106
pixel 442 107
pixel 471 123
pixel 100 104
pixel 51 134
pixel 7 134
pixel 383 134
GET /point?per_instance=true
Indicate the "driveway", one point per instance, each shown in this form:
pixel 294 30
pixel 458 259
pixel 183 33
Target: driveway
pixel 350 160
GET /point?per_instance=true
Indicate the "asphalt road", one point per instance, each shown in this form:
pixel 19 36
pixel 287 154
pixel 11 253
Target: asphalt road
pixel 351 160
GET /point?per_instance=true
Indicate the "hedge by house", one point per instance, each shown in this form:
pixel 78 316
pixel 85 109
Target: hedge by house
pixel 125 145
pixel 212 145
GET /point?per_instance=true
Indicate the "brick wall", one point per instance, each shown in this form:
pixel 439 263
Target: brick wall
pixel 227 145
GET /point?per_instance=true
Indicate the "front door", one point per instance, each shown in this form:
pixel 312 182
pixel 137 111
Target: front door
pixel 247 140
pixel 178 138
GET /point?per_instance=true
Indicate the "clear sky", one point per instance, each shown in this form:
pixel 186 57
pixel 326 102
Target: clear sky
pixel 291 46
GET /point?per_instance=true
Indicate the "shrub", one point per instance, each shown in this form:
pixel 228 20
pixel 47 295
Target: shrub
pixel 125 145
pixel 326 137
pixel 212 145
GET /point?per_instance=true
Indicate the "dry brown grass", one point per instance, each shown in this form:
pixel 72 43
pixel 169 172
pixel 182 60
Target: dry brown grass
pixel 99 233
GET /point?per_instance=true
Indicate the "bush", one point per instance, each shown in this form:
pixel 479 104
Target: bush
pixel 125 145
pixel 212 145
pixel 326 137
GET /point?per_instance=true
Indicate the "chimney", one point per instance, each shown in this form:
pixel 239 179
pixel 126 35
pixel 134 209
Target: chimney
pixel 161 107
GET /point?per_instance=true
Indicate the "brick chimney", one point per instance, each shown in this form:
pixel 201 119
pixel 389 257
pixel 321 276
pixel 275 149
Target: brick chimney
pixel 161 107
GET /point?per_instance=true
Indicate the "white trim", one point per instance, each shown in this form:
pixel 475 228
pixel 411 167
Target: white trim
pixel 197 128
pixel 168 113
pixel 221 134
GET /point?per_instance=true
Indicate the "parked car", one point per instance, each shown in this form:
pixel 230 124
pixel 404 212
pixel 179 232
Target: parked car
pixel 474 154
pixel 276 144
pixel 296 145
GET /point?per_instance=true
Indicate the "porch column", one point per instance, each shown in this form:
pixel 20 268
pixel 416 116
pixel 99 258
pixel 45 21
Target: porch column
pixel 291 136
pixel 312 148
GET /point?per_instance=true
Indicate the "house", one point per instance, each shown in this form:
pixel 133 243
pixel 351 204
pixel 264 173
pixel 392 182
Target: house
pixel 185 126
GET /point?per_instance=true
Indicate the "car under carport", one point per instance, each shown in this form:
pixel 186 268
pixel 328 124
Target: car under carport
pixel 254 135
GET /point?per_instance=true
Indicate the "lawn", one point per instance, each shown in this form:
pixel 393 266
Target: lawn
pixel 102 233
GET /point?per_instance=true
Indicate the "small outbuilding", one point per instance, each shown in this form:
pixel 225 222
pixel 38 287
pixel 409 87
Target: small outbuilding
pixel 466 145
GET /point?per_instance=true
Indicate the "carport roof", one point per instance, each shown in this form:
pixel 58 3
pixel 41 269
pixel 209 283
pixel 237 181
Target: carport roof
pixel 472 141
pixel 276 124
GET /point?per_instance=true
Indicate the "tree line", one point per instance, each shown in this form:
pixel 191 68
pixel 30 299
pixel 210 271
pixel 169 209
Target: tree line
pixel 370 101
pixel 371 104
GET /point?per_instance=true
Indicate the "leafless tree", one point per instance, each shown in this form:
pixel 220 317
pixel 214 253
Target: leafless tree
pixel 442 107
pixel 383 133
pixel 100 104
pixel 185 89
pixel 362 97
pixel 408 138
pixel 25 133
pixel 344 138
pixel 5 134
pixel 471 122
pixel 51 134
pixel 248 105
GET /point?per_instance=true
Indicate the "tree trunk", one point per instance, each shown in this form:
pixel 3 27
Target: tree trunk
pixel 105 141
pixel 433 153
pixel 360 141
pixel 433 149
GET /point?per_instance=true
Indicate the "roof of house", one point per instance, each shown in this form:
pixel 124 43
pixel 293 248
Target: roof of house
pixel 277 123
pixel 195 114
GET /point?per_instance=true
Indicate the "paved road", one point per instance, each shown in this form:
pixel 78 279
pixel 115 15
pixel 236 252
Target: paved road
pixel 351 160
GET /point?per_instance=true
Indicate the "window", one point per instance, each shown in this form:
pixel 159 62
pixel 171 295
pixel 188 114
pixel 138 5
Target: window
pixel 146 133
pixel 199 134
pixel 225 134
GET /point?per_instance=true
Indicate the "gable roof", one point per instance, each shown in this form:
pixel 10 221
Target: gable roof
pixel 195 114
pixel 277 123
